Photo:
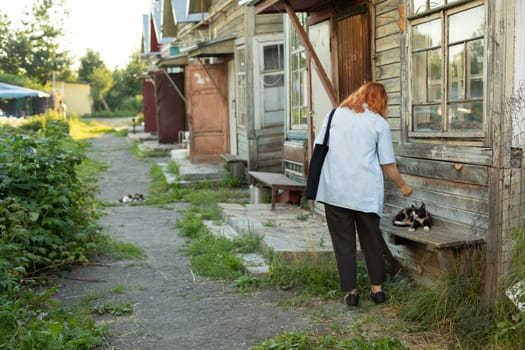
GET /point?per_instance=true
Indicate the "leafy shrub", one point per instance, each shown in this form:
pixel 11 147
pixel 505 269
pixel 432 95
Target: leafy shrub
pixel 31 320
pixel 131 103
pixel 47 216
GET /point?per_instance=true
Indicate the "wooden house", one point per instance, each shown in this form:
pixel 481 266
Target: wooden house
pixel 453 72
pixel 163 97
pixel 233 66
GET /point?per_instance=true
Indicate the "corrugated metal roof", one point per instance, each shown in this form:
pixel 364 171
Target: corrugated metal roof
pixel 198 6
pixel 183 16
pixel 146 33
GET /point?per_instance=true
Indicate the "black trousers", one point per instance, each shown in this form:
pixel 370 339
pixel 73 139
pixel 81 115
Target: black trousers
pixel 342 225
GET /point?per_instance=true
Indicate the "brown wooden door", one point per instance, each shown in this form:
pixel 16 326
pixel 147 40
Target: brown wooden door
pixel 170 106
pixel 353 51
pixel 148 101
pixel 207 110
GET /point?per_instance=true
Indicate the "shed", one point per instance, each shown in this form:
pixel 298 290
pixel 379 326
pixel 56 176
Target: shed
pixel 20 101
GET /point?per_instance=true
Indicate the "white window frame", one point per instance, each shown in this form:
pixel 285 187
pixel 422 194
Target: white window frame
pixel 297 106
pixel 442 12
pixel 240 88
pixel 263 73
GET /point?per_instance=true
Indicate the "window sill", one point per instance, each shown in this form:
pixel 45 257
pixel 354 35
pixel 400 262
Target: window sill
pixel 448 135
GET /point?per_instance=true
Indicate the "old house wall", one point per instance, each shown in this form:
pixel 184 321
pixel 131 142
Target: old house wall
pixel 451 178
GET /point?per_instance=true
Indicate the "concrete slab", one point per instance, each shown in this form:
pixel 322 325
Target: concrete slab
pixel 289 230
pixel 139 137
pixel 255 265
pixel 189 172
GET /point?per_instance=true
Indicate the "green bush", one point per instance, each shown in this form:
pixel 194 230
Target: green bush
pixel 47 220
pixel 47 216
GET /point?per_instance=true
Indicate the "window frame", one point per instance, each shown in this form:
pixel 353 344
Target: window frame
pixel 263 73
pixel 443 13
pixel 241 90
pixel 302 71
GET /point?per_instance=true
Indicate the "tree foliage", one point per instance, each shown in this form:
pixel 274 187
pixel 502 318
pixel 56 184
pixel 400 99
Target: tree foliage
pixel 126 92
pixel 101 82
pixel 33 48
pixel 88 63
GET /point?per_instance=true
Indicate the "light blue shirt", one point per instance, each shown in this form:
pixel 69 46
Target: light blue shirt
pixel 359 144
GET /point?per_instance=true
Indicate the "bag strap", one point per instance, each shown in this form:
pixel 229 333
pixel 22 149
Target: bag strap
pixel 327 133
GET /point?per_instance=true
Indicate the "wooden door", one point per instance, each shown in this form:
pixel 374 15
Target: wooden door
pixel 148 101
pixel 170 106
pixel 207 110
pixel 353 51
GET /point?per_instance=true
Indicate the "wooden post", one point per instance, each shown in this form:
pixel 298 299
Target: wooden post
pixel 249 25
pixel 499 72
pixel 311 52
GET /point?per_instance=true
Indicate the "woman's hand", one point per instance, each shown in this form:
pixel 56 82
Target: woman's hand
pixel 392 172
pixel 406 190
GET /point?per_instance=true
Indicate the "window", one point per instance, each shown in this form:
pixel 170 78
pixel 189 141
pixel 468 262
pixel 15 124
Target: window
pixel 273 84
pixel 241 87
pixel 298 86
pixel 447 53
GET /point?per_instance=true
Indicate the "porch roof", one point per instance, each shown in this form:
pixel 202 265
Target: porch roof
pixel 215 47
pixel 174 61
pixel 278 6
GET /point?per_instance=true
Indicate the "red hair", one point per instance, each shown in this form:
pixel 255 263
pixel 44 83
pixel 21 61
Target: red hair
pixel 371 93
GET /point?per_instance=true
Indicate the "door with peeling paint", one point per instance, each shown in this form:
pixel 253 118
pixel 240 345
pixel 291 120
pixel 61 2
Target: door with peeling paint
pixel 207 111
pixel 353 48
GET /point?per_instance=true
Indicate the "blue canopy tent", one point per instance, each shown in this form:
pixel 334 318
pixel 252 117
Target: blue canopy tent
pixel 20 101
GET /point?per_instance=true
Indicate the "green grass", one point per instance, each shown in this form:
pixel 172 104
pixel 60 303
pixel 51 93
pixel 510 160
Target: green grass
pixel 117 250
pixel 113 308
pixel 173 167
pixel 147 153
pixel 455 305
pixel 300 341
pixel 82 129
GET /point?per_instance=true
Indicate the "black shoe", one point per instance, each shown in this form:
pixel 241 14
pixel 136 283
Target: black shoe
pixel 352 300
pixel 378 297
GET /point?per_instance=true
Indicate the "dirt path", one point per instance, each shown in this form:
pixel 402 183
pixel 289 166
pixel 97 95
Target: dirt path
pixel 172 307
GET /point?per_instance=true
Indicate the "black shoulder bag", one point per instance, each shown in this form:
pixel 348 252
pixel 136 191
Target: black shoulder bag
pixel 316 162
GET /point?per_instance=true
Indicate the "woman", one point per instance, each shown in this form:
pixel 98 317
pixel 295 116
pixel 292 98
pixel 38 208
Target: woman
pixel 351 186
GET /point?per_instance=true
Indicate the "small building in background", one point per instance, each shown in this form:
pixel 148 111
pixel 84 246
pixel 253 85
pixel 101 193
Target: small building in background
pixel 75 95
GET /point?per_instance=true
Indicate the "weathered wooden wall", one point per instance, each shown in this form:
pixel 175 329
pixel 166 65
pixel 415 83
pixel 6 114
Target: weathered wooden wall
pixel 451 179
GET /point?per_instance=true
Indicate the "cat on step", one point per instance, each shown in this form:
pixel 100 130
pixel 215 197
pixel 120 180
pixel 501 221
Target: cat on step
pixel 413 217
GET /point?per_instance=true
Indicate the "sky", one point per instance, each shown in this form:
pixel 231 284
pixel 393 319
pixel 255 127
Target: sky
pixel 111 27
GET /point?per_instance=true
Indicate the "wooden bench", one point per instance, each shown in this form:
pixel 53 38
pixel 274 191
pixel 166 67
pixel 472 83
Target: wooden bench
pixel 447 241
pixel 291 190
pixel 235 163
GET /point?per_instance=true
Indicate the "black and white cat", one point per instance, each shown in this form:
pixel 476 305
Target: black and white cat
pixel 136 197
pixel 413 217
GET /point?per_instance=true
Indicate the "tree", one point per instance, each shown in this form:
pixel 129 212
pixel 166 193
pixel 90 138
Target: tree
pixel 101 81
pixel 127 85
pixel 88 64
pixel 34 48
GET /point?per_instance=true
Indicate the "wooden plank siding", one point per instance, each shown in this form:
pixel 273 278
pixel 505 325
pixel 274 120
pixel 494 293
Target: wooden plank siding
pixel 265 24
pixel 270 150
pixel 231 20
pixel 388 71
